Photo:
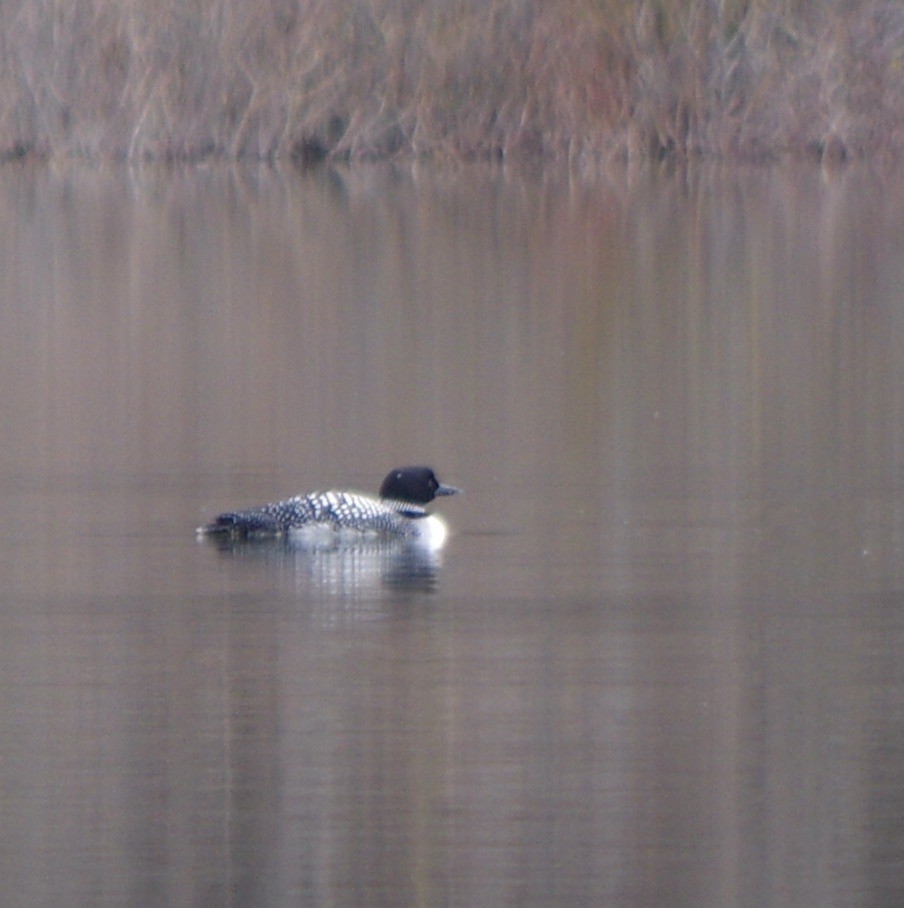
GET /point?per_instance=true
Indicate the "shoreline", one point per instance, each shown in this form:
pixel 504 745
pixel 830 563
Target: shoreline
pixel 583 83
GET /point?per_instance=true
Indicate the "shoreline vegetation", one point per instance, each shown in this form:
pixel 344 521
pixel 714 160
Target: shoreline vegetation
pixel 578 81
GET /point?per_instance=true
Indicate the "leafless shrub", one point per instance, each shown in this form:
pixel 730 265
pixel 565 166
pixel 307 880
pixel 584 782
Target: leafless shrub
pixel 360 79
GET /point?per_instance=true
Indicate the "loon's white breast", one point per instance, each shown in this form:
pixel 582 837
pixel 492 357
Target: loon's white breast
pixel 430 532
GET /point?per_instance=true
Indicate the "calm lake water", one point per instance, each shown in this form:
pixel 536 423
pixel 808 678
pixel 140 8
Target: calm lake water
pixel 660 660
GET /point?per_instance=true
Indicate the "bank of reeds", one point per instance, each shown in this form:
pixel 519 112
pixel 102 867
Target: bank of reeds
pixel 577 80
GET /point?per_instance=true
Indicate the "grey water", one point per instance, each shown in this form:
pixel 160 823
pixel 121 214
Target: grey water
pixel 660 660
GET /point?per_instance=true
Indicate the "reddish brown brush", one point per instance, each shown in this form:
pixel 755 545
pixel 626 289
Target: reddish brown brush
pixel 577 80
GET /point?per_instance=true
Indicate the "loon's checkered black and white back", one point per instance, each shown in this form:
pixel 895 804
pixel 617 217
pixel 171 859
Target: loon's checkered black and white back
pixel 339 511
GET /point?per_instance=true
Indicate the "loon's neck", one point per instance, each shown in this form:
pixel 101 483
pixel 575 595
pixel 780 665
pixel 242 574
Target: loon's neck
pixel 405 508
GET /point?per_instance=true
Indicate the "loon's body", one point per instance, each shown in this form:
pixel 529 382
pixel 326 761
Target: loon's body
pixel 399 512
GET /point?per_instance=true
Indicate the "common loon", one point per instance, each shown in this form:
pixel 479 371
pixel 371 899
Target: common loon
pixel 398 512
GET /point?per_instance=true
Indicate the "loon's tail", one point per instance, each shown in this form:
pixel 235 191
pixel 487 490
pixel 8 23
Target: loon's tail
pixel 241 525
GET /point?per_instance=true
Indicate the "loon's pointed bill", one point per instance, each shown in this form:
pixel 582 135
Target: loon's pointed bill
pixel 399 512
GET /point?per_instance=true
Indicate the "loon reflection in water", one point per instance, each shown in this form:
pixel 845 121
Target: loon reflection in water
pixel 356 570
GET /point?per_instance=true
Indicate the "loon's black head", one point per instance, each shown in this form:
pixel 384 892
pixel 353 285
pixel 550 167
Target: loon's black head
pixel 415 484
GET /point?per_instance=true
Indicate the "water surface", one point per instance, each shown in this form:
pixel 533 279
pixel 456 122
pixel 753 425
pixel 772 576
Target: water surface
pixel 658 662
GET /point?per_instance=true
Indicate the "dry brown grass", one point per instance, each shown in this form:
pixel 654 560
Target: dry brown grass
pixel 577 80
